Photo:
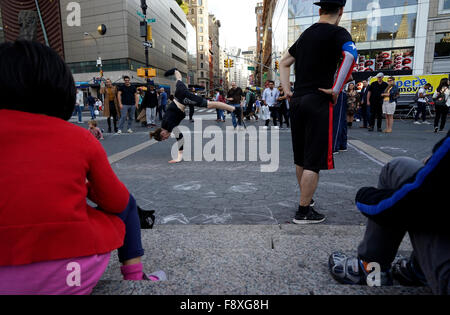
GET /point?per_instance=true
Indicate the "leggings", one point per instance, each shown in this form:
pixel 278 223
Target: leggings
pixel 132 244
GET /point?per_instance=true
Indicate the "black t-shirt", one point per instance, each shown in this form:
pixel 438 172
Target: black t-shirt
pixel 236 94
pixel 150 99
pixel 317 54
pixel 376 90
pixel 173 117
pixel 128 95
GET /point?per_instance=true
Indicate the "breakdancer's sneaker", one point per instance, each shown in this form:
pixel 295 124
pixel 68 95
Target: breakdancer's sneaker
pixel 311 217
pixel 170 72
pixel 351 270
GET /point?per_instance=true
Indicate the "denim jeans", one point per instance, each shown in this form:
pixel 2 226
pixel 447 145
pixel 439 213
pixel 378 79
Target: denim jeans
pixel 233 116
pixel 79 110
pixel 127 109
pixel 151 115
pixel 92 110
pixel 421 109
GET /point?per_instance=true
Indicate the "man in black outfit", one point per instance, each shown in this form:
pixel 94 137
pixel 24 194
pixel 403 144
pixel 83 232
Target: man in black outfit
pixel 363 96
pixel 316 55
pixel 375 102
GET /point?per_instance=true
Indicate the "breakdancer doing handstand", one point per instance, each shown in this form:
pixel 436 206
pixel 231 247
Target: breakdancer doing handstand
pixel 176 112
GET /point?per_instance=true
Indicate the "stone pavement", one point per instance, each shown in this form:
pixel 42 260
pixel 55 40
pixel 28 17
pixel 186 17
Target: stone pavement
pixel 244 260
pixel 224 227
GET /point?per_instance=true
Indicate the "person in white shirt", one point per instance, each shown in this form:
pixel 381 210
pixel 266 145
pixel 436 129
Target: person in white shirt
pixel 422 105
pixel 265 115
pixel 442 104
pixel 79 105
pixel 270 96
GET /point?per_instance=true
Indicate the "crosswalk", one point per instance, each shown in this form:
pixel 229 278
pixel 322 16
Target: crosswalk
pixel 205 111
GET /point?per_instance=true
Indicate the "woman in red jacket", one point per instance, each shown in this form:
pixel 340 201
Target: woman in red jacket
pixel 51 240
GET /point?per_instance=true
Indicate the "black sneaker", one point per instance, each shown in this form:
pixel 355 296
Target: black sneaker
pixel 436 130
pixel 371 129
pixel 311 218
pixel 404 271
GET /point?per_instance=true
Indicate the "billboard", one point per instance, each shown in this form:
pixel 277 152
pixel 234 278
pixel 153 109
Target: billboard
pixel 411 84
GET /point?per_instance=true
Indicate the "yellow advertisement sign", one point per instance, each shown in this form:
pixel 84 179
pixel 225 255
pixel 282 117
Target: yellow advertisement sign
pixel 411 84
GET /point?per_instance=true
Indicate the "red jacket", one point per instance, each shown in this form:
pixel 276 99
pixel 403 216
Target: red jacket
pixel 44 165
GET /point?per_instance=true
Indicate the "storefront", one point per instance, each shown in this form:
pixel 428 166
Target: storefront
pixel 386 32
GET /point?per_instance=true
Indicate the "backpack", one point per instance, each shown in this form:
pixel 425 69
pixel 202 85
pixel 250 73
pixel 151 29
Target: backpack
pixel 440 100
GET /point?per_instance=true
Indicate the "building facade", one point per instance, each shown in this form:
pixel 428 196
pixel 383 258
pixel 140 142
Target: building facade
pixel 198 16
pixel 121 49
pixel 215 73
pixel 390 34
pixel 437 56
pixel 259 38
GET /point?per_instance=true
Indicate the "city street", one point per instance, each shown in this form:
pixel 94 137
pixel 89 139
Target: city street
pixel 206 208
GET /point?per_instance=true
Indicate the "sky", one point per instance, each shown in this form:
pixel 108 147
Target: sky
pixel 238 21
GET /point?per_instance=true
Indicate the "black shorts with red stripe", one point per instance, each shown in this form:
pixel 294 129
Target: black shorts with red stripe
pixel 312 132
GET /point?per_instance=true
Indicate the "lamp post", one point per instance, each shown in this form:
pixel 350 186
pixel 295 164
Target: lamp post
pixel 99 58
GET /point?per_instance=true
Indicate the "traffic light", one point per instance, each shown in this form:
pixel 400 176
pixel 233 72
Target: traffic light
pixel 277 65
pixel 149 33
pixel 226 63
pixel 231 63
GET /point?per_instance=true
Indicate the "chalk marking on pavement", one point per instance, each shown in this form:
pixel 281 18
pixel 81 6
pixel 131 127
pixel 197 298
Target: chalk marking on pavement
pixel 124 154
pixel 370 152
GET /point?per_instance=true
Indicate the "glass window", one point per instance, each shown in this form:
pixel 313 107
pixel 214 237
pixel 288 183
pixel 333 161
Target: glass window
pixel 444 6
pixel 442 45
pixel 367 5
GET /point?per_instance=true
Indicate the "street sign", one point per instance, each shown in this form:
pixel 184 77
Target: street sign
pixel 247 52
pixel 143 16
pixel 148 44
pixel 251 68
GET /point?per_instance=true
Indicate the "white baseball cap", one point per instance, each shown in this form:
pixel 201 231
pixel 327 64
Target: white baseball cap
pixel 380 75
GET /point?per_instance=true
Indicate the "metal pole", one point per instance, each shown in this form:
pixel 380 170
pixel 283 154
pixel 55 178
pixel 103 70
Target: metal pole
pixel 42 23
pixel 144 11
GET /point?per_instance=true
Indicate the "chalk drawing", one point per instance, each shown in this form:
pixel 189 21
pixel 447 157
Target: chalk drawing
pixel 244 188
pixel 188 186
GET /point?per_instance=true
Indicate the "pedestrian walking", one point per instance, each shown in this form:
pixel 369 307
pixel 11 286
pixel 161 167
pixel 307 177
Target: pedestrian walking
pixel 150 104
pixel 441 104
pixel 316 91
pixel 352 103
pixel 91 104
pixel 163 100
pixel 270 96
pixel 128 103
pixel 221 99
pixel 422 101
pixel 340 125
pixel 265 115
pixel 191 107
pixel 363 104
pixel 112 109
pixel 375 102
pixel 79 105
pixel 283 111
pixel 390 103
pixel 234 99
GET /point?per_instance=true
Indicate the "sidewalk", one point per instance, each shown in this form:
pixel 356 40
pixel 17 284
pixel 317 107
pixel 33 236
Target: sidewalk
pixel 245 260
